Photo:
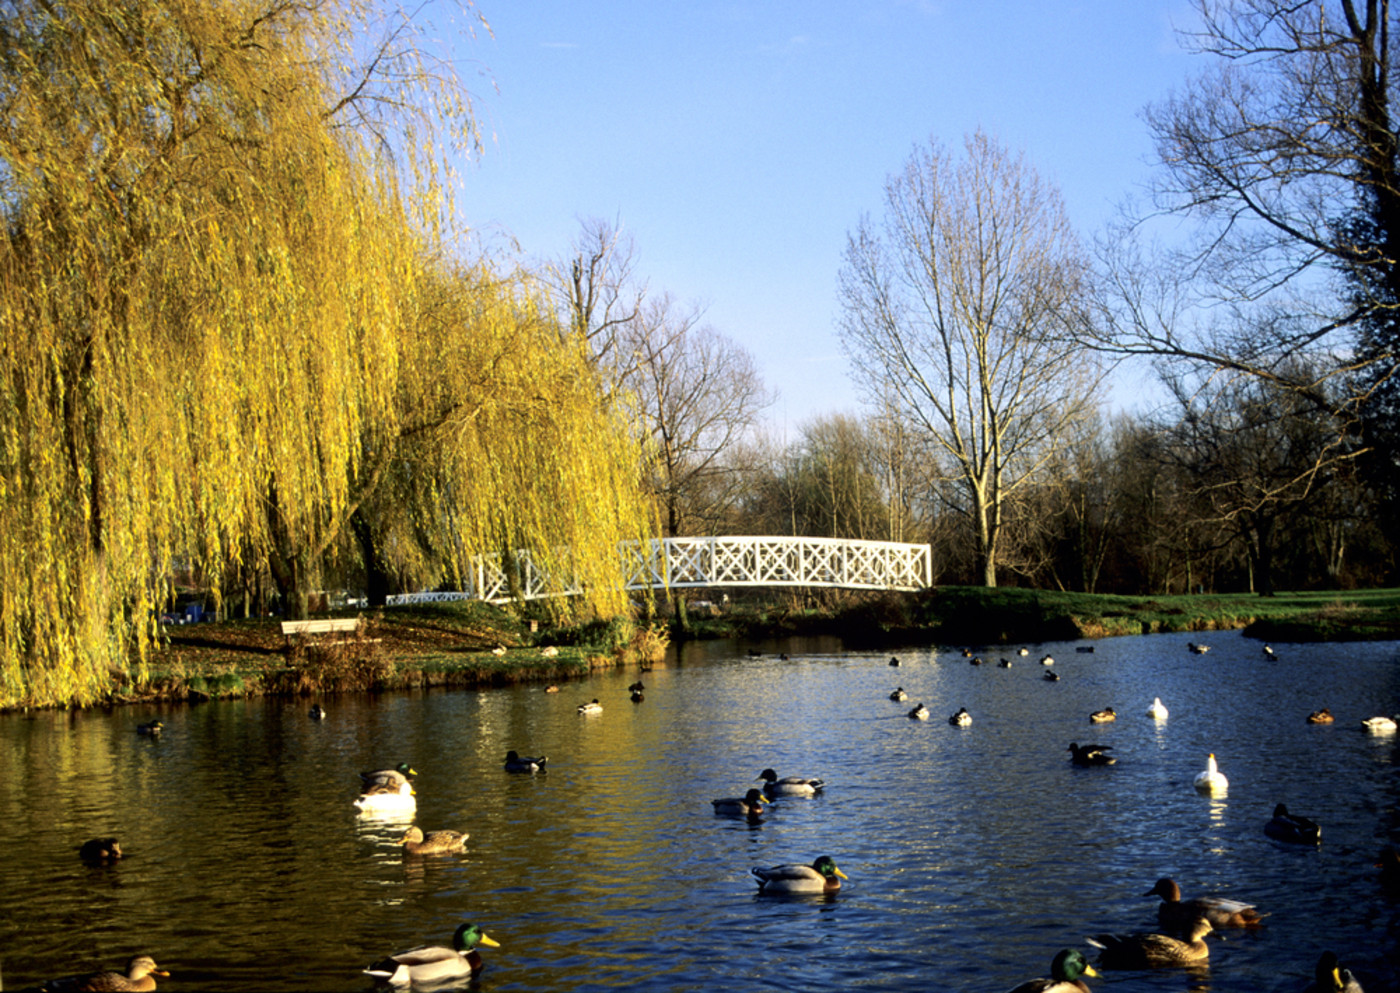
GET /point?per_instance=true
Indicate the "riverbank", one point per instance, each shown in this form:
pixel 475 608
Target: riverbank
pixel 466 644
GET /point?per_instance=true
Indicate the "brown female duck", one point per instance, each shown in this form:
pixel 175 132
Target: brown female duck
pixel 1176 915
pixel 138 977
pixel 434 842
pixel 1148 951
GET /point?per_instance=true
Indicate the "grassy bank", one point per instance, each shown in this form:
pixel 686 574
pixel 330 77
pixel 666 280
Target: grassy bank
pixel 466 644
pixel 460 644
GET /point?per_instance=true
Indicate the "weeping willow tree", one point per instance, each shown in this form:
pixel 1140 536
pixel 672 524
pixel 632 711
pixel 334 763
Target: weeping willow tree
pixel 501 444
pixel 206 287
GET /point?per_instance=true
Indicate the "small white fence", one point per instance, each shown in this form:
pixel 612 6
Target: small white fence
pixel 690 563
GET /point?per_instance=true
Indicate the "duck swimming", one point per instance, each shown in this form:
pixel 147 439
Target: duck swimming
pixel 1065 970
pixel 151 729
pixel 434 842
pixel 749 805
pixel 138 977
pixel 433 963
pixel 387 780
pixel 1380 725
pixel 1148 951
pixel 593 707
pixel 1103 716
pixel 1211 780
pixel 100 851
pixel 317 712
pixel 1157 710
pixel 962 719
pixel 1330 976
pixel 919 713
pixel 1051 676
pixel 1323 716
pixel 1177 915
pixel 515 762
pixel 1293 828
pixel 789 785
pixel 1087 755
pixel 822 876
pixel 899 694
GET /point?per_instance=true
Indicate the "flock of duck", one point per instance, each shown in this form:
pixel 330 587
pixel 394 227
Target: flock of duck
pixel 1184 924
pixel 1180 942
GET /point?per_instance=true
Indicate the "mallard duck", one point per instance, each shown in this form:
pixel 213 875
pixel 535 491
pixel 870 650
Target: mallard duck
pixel 593 707
pixel 899 695
pixel 1380 725
pixel 637 696
pixel 433 963
pixel 1157 710
pixel 387 780
pixel 1323 716
pixel 1293 828
pixel 317 712
pixel 100 851
pixel 1330 976
pixel 1196 649
pixel 962 719
pixel 1051 676
pixel 385 801
pixel 821 876
pixel 919 713
pixel 1103 716
pixel 789 785
pixel 749 805
pixel 1146 951
pixel 636 687
pixel 515 762
pixel 434 842
pixel 140 973
pixel 1177 915
pixel 1047 660
pixel 1004 663
pixel 151 728
pixel 1211 779
pixel 975 660
pixel 1090 754
pixel 1023 651
pixel 1065 970
pixel 894 660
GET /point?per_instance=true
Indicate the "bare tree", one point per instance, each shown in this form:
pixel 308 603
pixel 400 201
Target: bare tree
pixel 957 312
pixel 697 393
pixel 598 293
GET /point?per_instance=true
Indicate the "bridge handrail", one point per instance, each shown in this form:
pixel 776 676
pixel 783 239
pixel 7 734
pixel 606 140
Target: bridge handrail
pixel 723 560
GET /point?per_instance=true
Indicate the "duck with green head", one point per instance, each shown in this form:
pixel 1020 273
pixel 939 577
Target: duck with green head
pixel 1330 976
pixel 822 876
pixel 789 785
pixel 433 963
pixel 749 805
pixel 1065 970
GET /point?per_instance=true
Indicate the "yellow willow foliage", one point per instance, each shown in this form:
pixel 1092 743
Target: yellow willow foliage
pixel 506 443
pixel 200 285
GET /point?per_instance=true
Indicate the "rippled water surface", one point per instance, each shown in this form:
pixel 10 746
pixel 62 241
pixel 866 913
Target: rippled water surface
pixel 973 854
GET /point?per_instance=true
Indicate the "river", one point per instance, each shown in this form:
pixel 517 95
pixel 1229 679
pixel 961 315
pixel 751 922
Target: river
pixel 973 854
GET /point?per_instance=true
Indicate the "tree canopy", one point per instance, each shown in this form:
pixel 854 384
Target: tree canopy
pixel 218 322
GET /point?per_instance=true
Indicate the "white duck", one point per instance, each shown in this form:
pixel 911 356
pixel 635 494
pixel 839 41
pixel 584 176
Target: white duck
pixel 1212 780
pixel 1158 710
pixel 1380 725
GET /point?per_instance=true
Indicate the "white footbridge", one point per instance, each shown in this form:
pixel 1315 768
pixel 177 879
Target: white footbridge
pixel 698 563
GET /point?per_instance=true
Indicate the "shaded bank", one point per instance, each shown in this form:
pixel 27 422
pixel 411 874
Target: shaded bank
pixel 977 615
pixel 466 644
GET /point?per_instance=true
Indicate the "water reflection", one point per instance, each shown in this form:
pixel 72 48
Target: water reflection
pixel 973 853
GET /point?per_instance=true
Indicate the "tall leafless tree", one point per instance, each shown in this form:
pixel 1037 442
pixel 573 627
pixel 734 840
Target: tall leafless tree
pixel 955 312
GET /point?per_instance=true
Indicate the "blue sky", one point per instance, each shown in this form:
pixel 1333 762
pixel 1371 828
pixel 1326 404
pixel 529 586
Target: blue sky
pixel 739 143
